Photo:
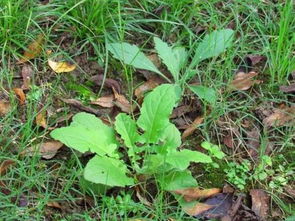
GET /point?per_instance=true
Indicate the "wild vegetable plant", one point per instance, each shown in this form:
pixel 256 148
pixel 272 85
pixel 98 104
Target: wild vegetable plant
pixel 177 60
pixel 151 143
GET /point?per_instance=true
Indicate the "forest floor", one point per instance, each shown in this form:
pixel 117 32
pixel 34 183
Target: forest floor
pixel 253 123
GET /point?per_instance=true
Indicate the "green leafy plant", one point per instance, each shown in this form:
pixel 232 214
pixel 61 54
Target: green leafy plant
pixel 176 59
pixel 151 144
pixel 214 152
pixel 237 174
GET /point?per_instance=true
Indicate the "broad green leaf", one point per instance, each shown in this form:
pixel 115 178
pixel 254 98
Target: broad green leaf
pixel 126 127
pixel 87 133
pixel 155 111
pixel 213 44
pixel 107 171
pixel 154 163
pixel 131 55
pixel 176 180
pixel 170 139
pixel 167 55
pixel 181 56
pixel 182 159
pixel 205 93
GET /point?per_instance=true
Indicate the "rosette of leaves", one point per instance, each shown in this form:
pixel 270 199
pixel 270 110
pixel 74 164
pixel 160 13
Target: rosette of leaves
pixel 151 142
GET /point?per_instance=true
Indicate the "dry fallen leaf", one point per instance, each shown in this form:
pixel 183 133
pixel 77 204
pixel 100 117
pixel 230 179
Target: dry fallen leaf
pixel 108 82
pixel 53 204
pixel 20 95
pixel 192 127
pixel 198 208
pixel 47 150
pixel 5 107
pixel 41 119
pixel 106 101
pixel 260 203
pixel 288 89
pixel 191 194
pixel 78 104
pixel 147 86
pixel 60 67
pixel 280 117
pixel 244 81
pixel 122 102
pixel 33 50
pixel 4 166
pixel 26 73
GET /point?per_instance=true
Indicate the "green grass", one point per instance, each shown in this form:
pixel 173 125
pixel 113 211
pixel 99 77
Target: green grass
pixel 260 28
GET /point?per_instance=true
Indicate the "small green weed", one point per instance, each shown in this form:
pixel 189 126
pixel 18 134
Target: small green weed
pixel 237 174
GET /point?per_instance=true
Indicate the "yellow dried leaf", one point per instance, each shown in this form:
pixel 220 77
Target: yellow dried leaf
pixel 5 107
pixel 33 50
pixel 191 194
pixel 20 95
pixel 60 67
pixel 41 119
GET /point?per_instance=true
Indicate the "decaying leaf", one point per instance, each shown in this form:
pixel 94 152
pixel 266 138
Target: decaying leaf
pixel 147 86
pixel 197 209
pixel 33 50
pixel 288 89
pixel 255 58
pixel 221 204
pixel 55 205
pixel 41 119
pixel 4 166
pixel 253 142
pixel 47 150
pixel 194 193
pixel 244 81
pixel 280 117
pixel 229 141
pixel 122 102
pixel 260 203
pixel 192 127
pixel 106 101
pixel 5 107
pixel 26 73
pixel 108 82
pixel 61 67
pixel 20 95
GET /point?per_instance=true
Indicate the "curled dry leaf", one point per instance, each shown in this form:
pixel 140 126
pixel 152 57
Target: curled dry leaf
pixel 108 82
pixel 26 73
pixel 4 166
pixel 260 203
pixel 106 101
pixel 5 107
pixel 41 119
pixel 147 86
pixel 280 117
pixel 122 102
pixel 192 127
pixel 47 150
pixel 191 194
pixel 20 95
pixel 61 67
pixel 33 50
pixel 244 81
